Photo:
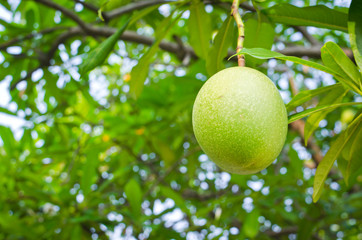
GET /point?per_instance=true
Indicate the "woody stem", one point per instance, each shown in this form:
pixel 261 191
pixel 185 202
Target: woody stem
pixel 239 22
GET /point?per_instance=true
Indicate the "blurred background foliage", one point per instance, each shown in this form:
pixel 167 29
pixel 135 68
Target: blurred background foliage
pixel 80 158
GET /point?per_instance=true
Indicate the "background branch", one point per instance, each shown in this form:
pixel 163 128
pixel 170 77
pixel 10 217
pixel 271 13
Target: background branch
pixel 132 7
pixel 131 36
pixel 88 6
pixel 72 15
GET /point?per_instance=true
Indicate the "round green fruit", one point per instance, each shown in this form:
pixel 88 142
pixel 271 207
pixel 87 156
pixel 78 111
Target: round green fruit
pixel 240 120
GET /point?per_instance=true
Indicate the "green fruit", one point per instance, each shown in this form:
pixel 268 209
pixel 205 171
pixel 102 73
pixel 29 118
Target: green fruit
pixel 240 120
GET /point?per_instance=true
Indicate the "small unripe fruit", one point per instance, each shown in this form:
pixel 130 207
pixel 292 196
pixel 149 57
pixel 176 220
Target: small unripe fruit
pixel 240 120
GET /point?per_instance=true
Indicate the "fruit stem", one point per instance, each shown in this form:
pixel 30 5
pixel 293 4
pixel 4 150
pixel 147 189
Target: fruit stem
pixel 239 22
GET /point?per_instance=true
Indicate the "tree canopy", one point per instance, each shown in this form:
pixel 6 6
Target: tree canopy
pixel 96 137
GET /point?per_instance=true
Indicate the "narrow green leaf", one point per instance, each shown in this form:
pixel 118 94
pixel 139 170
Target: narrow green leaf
pixel 356 146
pixel 98 55
pixel 5 110
pixel 267 54
pixel 317 16
pixel 259 33
pixel 6 5
pixel 307 95
pixel 139 72
pixel 89 170
pixel 307 112
pixel 30 18
pixel 26 141
pixel 134 196
pixel 199 25
pixel 349 162
pixel 334 58
pixel 143 13
pixel 355 30
pixel 334 96
pixel 8 140
pixel 251 224
pixel 325 166
pixel 214 61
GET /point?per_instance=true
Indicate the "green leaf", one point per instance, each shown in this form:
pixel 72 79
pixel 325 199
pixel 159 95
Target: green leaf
pixel 251 224
pixel 307 95
pixel 89 170
pixel 305 228
pixel 134 196
pixel 176 196
pixel 258 33
pixel 317 16
pixel 76 232
pixel 141 14
pixel 325 166
pixel 307 112
pixel 199 25
pixel 8 139
pixel 98 55
pixel 355 30
pixel 6 5
pixel 108 5
pixel 5 110
pixel 164 150
pixel 267 54
pixel 139 72
pixel 334 96
pixel 349 162
pixel 334 58
pixel 214 61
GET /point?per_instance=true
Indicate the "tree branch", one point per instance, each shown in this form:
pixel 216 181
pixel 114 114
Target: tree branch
pixel 44 59
pixel 306 35
pixel 65 11
pixel 88 6
pixel 132 7
pixel 172 47
pixel 14 41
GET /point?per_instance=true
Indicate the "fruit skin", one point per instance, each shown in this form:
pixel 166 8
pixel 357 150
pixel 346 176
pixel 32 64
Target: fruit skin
pixel 240 120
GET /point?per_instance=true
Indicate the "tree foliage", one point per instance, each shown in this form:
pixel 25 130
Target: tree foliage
pixel 104 90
